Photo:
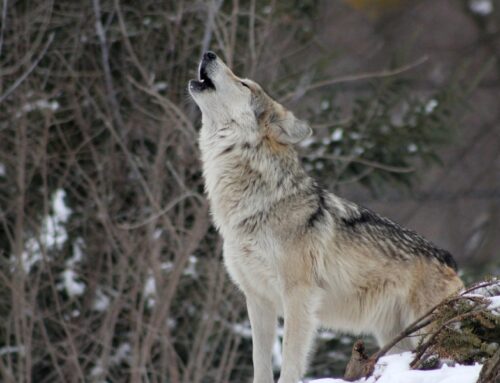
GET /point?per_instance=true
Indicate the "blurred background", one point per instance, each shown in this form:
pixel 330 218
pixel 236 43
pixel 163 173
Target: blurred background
pixel 110 268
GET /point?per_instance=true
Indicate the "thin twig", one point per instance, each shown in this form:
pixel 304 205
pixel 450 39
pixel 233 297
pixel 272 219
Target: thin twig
pixel 373 164
pixel 3 23
pixel 294 95
pixel 23 77
pixel 108 79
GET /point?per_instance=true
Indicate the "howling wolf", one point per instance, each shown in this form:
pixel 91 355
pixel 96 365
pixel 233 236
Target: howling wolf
pixel 294 249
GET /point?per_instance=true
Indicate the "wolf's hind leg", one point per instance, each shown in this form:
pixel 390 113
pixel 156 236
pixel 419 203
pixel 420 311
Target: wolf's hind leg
pixel 389 332
pixel 263 319
pixel 406 344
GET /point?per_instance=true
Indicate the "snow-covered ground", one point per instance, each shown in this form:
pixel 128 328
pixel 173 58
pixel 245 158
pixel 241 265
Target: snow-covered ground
pixel 395 369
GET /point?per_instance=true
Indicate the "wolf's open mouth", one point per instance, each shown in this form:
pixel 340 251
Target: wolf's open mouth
pixel 204 79
pixel 204 82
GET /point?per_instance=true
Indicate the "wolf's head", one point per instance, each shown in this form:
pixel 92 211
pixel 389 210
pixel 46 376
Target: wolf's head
pixel 226 101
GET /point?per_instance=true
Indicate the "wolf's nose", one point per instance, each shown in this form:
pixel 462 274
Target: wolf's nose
pixel 209 55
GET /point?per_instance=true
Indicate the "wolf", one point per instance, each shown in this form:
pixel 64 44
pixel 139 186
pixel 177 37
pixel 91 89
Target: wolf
pixel 295 250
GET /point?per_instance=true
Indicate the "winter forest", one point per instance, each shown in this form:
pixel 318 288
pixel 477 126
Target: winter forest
pixel 110 267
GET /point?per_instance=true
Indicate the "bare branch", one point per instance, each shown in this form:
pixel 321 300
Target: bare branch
pixel 298 93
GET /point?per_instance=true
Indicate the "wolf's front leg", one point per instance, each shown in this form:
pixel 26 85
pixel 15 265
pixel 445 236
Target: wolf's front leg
pixel 263 320
pixel 300 326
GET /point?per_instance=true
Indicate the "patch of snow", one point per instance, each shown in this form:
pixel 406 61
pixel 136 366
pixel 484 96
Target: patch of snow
pixel 31 255
pixel 2 170
pixel 396 369
pixel 149 291
pixel 325 141
pixel 345 340
pixel 171 323
pixel 77 253
pixel 157 233
pixel 319 165
pixel 481 7
pixel 337 355
pixel 70 284
pixel 243 329
pixel 277 358
pixel 431 105
pixel 495 303
pixel 12 350
pixel 307 142
pixel 38 105
pixel 150 286
pixel 190 270
pixel 412 148
pixel 52 233
pixel 159 86
pixel 97 371
pixel 327 335
pixel 167 266
pixel 122 353
pixel 101 301
pixel 337 135
pixel 491 293
pixel 325 105
pixel 358 150
pixel 61 210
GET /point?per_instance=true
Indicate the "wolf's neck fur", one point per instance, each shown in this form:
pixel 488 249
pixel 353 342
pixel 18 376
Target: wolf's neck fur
pixel 246 176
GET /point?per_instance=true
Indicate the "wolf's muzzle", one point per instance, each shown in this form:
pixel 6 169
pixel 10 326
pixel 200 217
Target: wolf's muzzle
pixel 204 82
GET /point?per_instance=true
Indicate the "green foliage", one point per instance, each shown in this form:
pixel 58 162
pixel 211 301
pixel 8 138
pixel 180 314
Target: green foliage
pixel 464 330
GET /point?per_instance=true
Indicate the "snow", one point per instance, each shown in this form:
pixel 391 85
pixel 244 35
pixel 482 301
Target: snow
pixel 52 233
pixel 395 369
pixel 491 293
pixel 337 134
pixel 159 86
pixel 495 303
pixel 319 165
pixel 277 356
pixel 430 106
pixel 2 170
pixel 307 142
pixel 481 7
pixel 190 270
pixel 101 301
pixel 122 353
pixel 149 291
pixel 38 105
pixel 12 350
pixel 70 283
pixel 412 148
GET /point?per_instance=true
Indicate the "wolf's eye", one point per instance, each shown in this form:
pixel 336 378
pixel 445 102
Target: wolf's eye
pixel 245 85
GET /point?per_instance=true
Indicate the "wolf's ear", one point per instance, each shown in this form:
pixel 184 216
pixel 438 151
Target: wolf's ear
pixel 290 130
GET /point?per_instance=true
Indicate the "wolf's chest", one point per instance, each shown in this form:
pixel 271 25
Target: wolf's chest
pixel 253 269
